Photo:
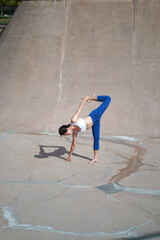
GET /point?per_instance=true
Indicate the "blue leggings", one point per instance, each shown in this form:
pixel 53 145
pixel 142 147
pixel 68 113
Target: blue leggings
pixel 96 116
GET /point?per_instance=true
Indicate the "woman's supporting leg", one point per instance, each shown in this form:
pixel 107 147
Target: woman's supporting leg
pixel 96 134
pixel 95 157
pixel 96 137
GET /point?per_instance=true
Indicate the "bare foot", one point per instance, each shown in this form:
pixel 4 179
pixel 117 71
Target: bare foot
pixel 94 160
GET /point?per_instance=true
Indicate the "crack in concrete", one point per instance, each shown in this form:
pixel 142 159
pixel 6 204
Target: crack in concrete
pixel 13 223
pixel 30 177
pixel 5 136
pixel 51 198
pixel 150 216
pixel 109 188
pixel 62 179
pixel 146 213
pixel 46 182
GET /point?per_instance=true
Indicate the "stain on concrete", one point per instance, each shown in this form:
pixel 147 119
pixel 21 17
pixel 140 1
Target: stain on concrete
pixel 133 163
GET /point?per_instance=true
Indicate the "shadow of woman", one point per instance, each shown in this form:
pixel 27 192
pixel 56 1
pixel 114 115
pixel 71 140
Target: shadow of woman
pixel 58 152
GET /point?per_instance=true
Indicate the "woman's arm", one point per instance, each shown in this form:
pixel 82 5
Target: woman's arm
pixel 74 141
pixel 74 119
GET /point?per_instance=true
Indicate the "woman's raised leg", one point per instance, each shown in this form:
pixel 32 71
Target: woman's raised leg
pixel 97 113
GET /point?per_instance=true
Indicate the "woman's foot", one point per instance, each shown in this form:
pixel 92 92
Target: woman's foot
pixel 94 160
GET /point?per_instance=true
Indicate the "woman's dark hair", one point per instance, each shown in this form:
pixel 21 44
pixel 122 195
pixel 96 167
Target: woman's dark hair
pixel 63 129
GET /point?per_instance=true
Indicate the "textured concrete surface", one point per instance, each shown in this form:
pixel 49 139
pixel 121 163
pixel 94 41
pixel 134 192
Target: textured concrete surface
pixel 52 53
pixel 44 197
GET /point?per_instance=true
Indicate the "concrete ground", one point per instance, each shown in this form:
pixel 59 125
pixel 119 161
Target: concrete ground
pixel 44 197
pixel 52 53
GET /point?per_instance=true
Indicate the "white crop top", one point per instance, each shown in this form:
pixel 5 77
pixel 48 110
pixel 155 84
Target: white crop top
pixel 81 124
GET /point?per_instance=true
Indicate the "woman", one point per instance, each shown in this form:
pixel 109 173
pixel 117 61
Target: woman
pixel 78 125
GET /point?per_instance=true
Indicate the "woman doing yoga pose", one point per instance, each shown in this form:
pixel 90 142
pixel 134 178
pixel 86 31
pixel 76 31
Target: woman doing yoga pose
pixel 78 125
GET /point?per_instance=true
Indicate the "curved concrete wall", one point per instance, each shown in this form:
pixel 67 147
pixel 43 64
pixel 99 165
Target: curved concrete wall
pixel 52 53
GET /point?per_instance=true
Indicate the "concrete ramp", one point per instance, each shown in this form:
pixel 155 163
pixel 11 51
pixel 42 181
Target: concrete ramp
pixel 52 53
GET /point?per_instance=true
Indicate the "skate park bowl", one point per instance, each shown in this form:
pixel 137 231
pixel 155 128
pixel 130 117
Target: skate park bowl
pixel 52 53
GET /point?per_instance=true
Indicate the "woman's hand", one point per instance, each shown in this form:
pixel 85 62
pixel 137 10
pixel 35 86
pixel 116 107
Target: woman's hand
pixel 68 159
